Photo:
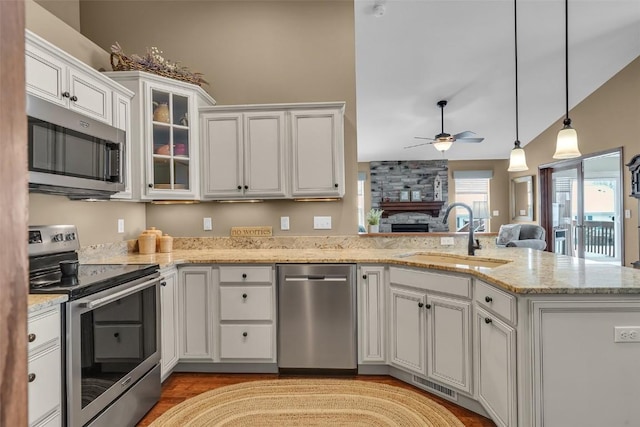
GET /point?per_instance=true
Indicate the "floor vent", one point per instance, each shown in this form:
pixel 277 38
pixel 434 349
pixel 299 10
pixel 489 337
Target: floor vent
pixel 436 388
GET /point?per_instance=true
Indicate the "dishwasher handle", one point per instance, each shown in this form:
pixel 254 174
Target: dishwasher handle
pixel 315 278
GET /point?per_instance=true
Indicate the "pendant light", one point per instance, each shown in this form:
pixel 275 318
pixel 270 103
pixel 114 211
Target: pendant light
pixel 567 143
pixel 517 159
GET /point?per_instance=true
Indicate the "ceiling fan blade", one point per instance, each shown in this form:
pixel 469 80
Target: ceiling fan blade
pixel 465 134
pixel 470 139
pixel 423 137
pixel 419 145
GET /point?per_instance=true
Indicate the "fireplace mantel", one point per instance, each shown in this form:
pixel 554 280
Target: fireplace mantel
pixel 430 208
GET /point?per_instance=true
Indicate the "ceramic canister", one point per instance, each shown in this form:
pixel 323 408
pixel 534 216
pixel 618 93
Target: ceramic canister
pixel 166 244
pixel 147 243
pixel 157 233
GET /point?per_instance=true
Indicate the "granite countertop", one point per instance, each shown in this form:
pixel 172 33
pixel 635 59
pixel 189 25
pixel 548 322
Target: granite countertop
pixel 38 302
pixel 527 272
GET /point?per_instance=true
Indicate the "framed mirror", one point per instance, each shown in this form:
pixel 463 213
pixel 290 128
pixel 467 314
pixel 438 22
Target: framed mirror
pixel 522 198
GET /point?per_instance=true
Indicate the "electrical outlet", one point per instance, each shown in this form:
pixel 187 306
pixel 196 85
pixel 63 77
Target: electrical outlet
pixel 207 224
pixel 447 241
pixel 496 213
pixel 322 223
pixel 284 223
pixel 121 226
pixel 627 213
pixel 627 334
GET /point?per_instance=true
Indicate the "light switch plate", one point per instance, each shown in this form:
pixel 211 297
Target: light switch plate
pixel 284 223
pixel 322 223
pixel 496 213
pixel 207 224
pixel 446 241
pixel 121 225
pixel 627 213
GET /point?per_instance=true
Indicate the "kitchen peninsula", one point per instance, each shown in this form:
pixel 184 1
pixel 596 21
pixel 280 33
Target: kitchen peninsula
pixel 526 337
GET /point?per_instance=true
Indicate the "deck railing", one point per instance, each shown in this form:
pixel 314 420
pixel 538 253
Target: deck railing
pixel 599 238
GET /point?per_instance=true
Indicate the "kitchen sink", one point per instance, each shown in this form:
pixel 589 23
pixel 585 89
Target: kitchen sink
pixel 460 261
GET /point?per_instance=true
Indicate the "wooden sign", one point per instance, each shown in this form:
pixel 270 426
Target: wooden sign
pixel 262 231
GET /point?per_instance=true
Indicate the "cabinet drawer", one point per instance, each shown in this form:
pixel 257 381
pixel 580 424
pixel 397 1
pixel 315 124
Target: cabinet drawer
pixel 44 383
pixel 246 342
pixel 246 303
pixel 44 328
pixel 496 301
pixel 246 274
pixel 453 285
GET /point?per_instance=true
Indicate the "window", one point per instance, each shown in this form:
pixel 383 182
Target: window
pixel 472 189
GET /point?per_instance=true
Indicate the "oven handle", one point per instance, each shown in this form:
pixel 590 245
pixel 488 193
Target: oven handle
pixel 118 295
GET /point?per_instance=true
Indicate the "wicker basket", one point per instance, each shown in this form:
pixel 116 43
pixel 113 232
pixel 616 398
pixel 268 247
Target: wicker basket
pixel 121 62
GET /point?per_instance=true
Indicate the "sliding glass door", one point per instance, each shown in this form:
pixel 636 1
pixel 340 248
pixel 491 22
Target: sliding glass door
pixel 585 205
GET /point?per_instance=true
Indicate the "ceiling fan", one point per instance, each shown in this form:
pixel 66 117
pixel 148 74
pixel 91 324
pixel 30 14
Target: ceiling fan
pixel 443 141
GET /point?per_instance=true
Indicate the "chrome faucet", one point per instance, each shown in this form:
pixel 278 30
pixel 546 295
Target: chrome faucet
pixel 472 246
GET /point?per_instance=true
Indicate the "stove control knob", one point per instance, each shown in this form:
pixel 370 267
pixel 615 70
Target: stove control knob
pixel 57 237
pixel 70 236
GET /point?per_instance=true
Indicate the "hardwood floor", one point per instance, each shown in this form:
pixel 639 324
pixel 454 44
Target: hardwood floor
pixel 181 386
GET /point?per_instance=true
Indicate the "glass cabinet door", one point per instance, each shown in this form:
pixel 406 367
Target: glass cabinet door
pixel 170 140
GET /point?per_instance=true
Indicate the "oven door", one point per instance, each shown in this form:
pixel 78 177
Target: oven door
pixel 113 339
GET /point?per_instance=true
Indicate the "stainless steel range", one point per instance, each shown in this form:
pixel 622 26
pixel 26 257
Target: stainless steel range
pixel 112 350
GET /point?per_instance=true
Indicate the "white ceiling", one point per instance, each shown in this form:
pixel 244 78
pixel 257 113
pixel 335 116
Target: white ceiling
pixel 421 51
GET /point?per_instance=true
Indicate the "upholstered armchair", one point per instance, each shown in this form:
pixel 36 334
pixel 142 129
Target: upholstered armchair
pixel 522 236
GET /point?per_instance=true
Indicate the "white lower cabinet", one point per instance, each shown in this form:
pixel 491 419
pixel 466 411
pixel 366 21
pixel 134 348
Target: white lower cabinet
pixel 247 314
pixel 45 367
pixel 169 321
pixel 196 314
pixel 496 367
pixel 449 341
pixel 408 330
pixel 371 314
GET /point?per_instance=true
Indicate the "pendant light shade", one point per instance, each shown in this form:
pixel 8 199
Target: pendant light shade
pixel 442 145
pixel 567 142
pixel 517 158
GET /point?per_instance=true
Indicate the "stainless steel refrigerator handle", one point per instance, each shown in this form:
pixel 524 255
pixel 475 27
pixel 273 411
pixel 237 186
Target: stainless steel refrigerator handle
pixel 118 295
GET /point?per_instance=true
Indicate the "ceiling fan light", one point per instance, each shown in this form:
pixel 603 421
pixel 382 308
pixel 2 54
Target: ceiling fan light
pixel 517 159
pixel 442 145
pixel 567 142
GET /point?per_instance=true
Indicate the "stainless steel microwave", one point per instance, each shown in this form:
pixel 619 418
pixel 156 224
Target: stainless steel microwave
pixel 71 154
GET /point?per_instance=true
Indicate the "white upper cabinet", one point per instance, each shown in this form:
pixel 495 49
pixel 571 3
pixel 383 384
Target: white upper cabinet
pixel 244 154
pixel 317 140
pixel 57 77
pixel 165 135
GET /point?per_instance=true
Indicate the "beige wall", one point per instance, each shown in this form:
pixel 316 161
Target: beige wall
pixel 67 10
pixel 250 52
pixel 609 118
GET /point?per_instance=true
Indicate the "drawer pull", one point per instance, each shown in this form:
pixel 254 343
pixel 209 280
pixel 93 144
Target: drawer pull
pixel 244 334
pixel 420 305
pixel 488 299
pixel 487 320
pixel 66 94
pixel 364 276
pixel 244 275
pixel 32 337
pixel 428 306
pixel 32 377
pixel 244 296
pixel 163 283
pixel 74 98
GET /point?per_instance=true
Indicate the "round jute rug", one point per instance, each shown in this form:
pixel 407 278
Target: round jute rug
pixel 308 402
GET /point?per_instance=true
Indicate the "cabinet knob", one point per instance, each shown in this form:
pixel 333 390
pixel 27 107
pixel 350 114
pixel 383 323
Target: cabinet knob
pixel 32 377
pixel 246 187
pixel 364 276
pixel 420 305
pixel 239 187
pixel 150 185
pixel 428 306
pixel 163 283
pixel 244 296
pixel 32 337
pixel 335 185
pixel 74 98
pixel 116 335
pixel 244 334
pixel 488 299
pixel 244 275
pixel 66 94
pixel 487 320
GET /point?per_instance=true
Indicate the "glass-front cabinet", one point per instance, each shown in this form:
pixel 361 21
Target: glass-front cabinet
pixel 165 130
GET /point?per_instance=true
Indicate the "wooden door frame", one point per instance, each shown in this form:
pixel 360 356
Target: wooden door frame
pixel 14 286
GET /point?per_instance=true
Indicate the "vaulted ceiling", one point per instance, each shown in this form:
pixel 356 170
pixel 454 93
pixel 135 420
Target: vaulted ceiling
pixel 420 51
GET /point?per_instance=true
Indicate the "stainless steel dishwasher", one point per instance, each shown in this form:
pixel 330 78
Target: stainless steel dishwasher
pixel 317 318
